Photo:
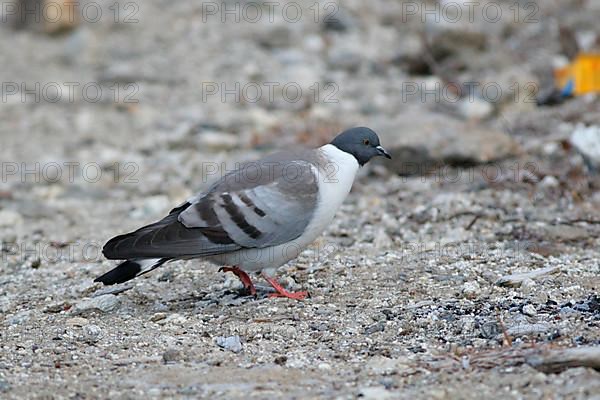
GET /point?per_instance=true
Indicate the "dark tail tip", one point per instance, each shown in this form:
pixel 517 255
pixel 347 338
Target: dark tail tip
pixel 122 273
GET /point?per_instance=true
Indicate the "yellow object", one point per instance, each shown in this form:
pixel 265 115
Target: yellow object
pixel 583 74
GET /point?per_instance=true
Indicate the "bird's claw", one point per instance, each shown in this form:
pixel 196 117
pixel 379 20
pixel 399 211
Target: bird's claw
pixel 291 295
pixel 246 281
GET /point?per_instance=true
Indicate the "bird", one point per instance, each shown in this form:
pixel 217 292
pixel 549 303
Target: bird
pixel 255 218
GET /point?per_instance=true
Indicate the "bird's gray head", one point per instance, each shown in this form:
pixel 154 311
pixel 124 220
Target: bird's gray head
pixel 361 142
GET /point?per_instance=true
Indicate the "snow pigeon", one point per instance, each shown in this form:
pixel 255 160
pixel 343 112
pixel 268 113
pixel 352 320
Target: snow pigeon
pixel 255 218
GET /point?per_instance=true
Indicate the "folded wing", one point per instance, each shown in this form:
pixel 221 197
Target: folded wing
pixel 258 205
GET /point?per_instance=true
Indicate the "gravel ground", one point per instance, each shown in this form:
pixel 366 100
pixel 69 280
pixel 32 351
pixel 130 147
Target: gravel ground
pixel 411 287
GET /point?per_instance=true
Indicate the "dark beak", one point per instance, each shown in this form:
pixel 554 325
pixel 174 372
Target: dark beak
pixel 381 151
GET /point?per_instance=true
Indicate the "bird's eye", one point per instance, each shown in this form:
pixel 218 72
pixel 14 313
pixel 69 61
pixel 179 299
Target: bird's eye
pixel 366 142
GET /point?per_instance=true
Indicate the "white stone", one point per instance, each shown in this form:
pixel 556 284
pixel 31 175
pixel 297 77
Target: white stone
pixel 475 108
pixel 587 141
pixel 231 343
pixel 10 218
pixel 549 181
pixel 471 289
pixel 529 309
pixel 324 367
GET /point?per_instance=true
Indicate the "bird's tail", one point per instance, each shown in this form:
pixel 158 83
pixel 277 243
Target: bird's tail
pixel 130 269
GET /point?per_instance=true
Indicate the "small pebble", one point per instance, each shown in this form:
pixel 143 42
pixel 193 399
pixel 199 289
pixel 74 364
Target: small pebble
pixel 549 182
pixel 105 303
pixel 92 333
pixel 471 289
pixel 528 285
pixel 489 329
pixel 171 356
pixel 529 309
pixel 324 367
pixel 4 386
pixel 158 316
pixel 231 343
pixel 19 318
pixel 10 218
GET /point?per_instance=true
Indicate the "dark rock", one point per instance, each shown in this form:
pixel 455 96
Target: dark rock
pixel 452 42
pixel 281 360
pixel 171 356
pixel 421 142
pixel 489 330
pixel 378 327
pixel 339 21
pixel 345 60
pixel 4 386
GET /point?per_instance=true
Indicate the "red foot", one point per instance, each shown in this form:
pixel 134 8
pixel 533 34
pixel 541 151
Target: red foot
pixel 281 292
pixel 246 281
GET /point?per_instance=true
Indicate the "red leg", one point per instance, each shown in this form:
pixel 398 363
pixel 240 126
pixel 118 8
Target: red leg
pixel 281 292
pixel 246 281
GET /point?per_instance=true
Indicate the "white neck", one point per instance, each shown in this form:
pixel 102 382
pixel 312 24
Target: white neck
pixel 340 165
pixel 336 176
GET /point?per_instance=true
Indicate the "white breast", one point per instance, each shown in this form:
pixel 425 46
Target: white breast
pixel 335 180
